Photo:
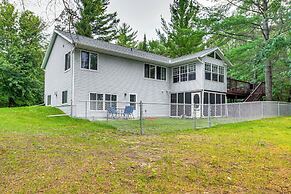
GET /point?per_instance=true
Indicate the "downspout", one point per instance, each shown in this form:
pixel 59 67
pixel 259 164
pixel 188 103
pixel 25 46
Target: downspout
pixel 73 80
pixel 203 84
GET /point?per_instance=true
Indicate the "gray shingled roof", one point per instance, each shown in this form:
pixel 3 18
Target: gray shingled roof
pixel 109 48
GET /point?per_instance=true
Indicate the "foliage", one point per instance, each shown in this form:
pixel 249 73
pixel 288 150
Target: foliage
pixel 95 21
pixel 65 155
pixel 126 36
pixel 238 25
pixel 181 35
pixel 21 77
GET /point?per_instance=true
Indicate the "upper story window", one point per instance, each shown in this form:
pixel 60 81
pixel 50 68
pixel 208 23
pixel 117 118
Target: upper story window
pixel 214 72
pixel 155 72
pixel 214 55
pixel 89 60
pixel 184 73
pixel 68 61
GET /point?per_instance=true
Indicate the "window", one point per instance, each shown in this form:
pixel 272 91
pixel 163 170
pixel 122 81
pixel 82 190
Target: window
pixel 221 74
pixel 67 61
pixel 214 72
pixel 49 100
pixel 152 72
pixel 184 73
pixel 64 97
pixel 161 73
pixel 212 98
pixel 89 60
pixel 176 74
pixel 110 101
pixel 192 72
pixel 206 98
pixel 85 60
pixel 155 72
pixel 207 71
pixel 93 101
pixel 100 102
pixel 93 61
pixel 132 100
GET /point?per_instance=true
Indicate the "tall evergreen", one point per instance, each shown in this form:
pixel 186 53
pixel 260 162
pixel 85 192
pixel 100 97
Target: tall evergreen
pixel 95 22
pixel 144 44
pixel 181 35
pixel 126 36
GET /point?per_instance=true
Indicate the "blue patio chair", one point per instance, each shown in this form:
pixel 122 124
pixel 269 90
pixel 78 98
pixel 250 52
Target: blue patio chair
pixel 111 111
pixel 128 112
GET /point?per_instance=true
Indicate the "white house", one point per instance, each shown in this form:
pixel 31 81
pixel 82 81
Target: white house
pixel 92 75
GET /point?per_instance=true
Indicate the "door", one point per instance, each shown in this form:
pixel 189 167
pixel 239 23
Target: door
pixel 196 104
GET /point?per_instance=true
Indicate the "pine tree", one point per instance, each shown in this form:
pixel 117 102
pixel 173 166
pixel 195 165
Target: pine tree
pixel 126 36
pixel 96 22
pixel 144 44
pixel 181 35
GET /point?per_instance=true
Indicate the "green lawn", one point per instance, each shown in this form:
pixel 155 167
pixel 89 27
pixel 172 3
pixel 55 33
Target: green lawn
pixel 64 155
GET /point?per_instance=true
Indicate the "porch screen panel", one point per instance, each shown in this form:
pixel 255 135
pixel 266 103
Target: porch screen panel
pixel 212 104
pixel 205 103
pixel 173 104
pixel 180 104
pixel 218 105
pixel 188 106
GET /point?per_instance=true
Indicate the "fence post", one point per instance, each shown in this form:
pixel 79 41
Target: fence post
pixel 239 112
pixel 194 117
pixel 140 118
pixel 209 120
pixel 86 114
pixel 278 109
pixel 71 108
pixel 107 115
pixel 262 109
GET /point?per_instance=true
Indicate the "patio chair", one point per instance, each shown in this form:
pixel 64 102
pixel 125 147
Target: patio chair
pixel 128 112
pixel 111 111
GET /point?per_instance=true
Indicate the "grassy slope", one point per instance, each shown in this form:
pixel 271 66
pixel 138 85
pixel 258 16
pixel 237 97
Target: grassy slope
pixel 40 154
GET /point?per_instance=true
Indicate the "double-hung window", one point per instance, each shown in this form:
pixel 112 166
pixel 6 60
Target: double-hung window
pixel 191 72
pixel 176 74
pixel 132 100
pixel 214 72
pixel 68 61
pixel 207 71
pixel 110 101
pixel 161 73
pixel 221 74
pixel 89 60
pixel 96 101
pixel 183 73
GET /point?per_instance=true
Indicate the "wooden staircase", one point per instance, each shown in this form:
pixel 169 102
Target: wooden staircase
pixel 257 93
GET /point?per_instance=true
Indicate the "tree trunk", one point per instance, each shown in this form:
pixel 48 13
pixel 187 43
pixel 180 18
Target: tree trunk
pixel 268 80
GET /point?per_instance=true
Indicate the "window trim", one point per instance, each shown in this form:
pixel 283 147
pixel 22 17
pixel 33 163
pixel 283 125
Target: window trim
pixel 155 79
pixel 47 97
pixel 70 54
pixel 67 97
pixel 212 72
pixel 90 52
pixel 135 108
pixel 187 72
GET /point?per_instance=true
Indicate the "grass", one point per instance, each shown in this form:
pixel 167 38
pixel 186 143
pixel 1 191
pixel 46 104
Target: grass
pixel 64 155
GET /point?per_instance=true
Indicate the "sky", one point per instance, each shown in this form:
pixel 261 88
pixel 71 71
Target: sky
pixel 143 16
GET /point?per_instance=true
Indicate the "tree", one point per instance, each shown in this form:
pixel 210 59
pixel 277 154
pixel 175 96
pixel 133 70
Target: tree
pixel 144 44
pixel 95 21
pixel 126 36
pixel 21 77
pixel 239 22
pixel 182 35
